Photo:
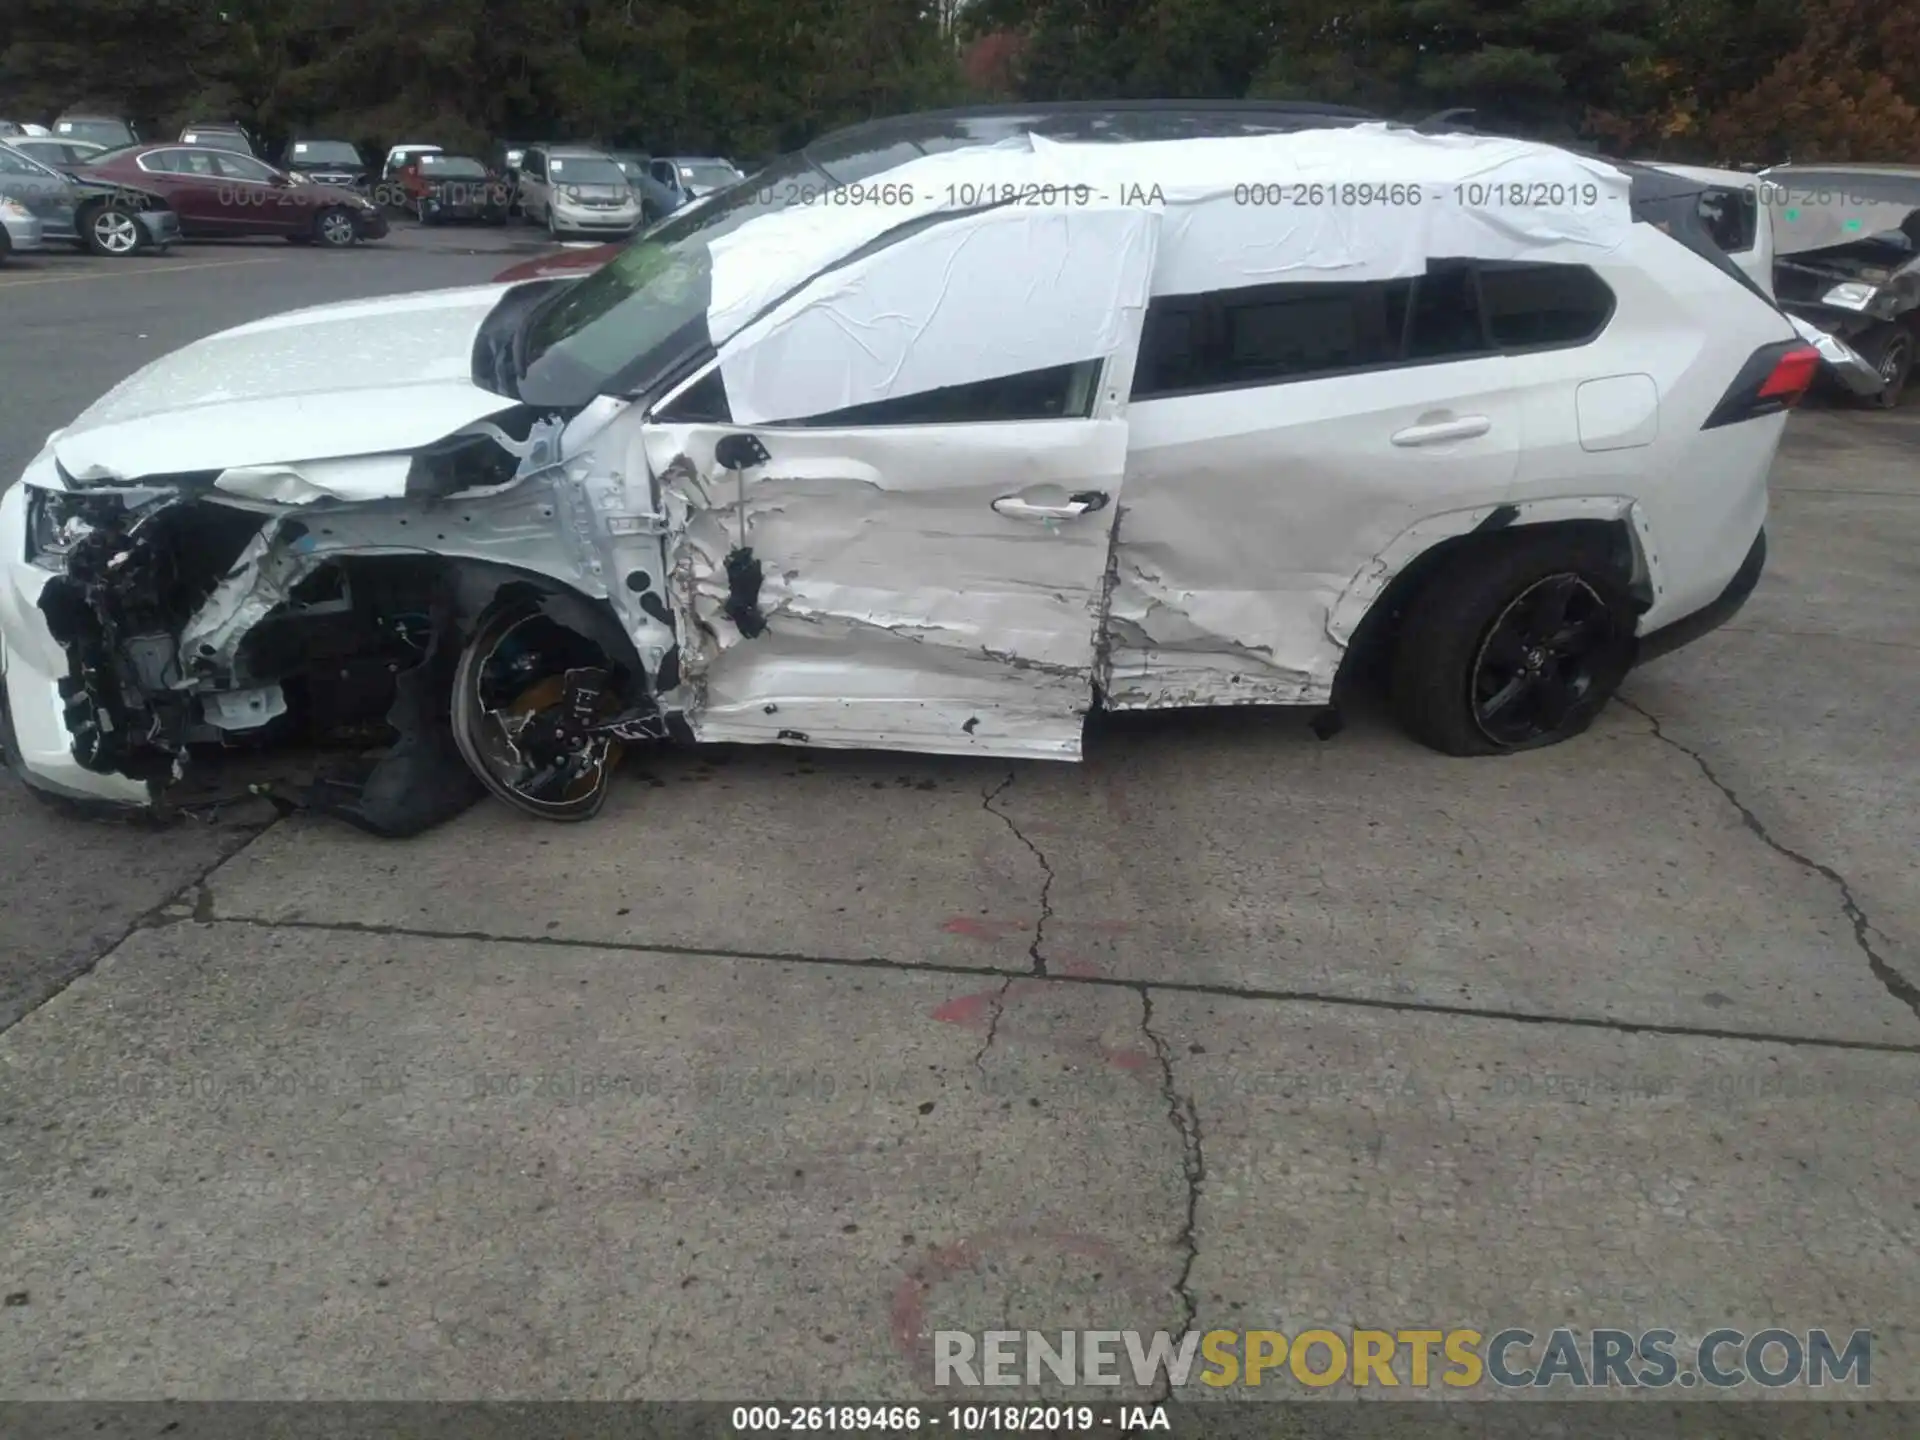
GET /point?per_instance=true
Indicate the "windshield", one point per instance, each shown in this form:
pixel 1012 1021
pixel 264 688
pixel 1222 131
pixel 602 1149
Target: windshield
pixel 636 316
pixel 708 172
pixel 587 170
pixel 103 132
pixel 632 321
pixel 103 157
pixel 441 167
pixel 323 152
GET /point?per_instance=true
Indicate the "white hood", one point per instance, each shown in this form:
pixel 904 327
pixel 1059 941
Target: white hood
pixel 362 378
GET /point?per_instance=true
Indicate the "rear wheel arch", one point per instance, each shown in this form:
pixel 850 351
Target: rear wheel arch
pixel 1369 648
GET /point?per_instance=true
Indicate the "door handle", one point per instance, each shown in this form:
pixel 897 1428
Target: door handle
pixel 1465 428
pixel 1084 503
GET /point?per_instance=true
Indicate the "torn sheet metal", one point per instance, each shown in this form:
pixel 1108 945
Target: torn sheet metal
pixel 900 609
pixel 360 478
pixel 241 710
pixel 998 293
pixel 1847 365
pixel 1247 513
pixel 1353 203
pixel 374 378
pixel 258 582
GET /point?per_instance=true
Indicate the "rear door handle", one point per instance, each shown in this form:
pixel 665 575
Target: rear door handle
pixel 1084 503
pixel 1465 428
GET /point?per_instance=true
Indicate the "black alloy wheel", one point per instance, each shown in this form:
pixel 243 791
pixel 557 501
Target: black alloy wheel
pixel 1538 662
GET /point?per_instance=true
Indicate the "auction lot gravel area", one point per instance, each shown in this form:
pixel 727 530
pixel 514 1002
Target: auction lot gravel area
pixel 790 1059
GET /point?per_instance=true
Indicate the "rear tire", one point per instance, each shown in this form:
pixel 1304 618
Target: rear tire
pixel 112 231
pixel 1890 351
pixel 1516 644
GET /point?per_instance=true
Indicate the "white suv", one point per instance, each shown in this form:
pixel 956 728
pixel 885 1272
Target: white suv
pixel 929 460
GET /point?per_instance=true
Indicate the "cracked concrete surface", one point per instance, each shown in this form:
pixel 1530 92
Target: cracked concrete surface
pixel 1184 1116
pixel 790 1060
pixel 1897 985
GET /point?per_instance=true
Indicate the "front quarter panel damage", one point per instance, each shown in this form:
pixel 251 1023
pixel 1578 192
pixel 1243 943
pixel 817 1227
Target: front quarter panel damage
pixel 309 601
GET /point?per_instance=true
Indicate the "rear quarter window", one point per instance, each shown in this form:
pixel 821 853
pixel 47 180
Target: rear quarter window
pixel 1534 305
pixel 1732 218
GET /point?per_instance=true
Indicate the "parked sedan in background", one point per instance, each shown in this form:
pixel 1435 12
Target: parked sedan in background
pixel 109 130
pixel 20 229
pixel 656 200
pixel 52 150
pixel 691 176
pixel 219 194
pixel 438 187
pixel 330 162
pixel 401 156
pixel 221 136
pixel 108 218
pixel 1848 263
pixel 575 191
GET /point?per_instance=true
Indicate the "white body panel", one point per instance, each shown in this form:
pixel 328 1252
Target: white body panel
pixel 963 586
pixel 361 378
pixel 1250 511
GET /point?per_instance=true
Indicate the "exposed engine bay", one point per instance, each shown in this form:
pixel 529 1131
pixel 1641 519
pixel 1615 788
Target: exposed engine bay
pixel 197 626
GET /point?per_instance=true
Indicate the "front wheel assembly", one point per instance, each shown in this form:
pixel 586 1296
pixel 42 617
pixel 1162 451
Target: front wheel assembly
pixel 537 712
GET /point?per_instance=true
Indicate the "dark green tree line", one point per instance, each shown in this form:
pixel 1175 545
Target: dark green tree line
pixel 1702 79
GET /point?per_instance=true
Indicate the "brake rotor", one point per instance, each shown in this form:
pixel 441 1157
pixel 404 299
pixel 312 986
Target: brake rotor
pixel 532 706
pixel 569 776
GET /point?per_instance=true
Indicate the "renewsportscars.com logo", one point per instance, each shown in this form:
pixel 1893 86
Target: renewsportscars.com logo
pixel 1457 1359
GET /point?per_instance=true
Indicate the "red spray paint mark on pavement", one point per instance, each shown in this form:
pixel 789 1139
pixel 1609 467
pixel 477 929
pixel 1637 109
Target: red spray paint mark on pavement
pixel 985 929
pixel 909 1316
pixel 976 1011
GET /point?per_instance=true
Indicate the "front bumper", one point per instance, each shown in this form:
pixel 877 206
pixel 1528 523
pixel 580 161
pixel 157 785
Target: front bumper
pixel 24 232
pixel 162 227
pixel 1710 617
pixel 597 222
pixel 41 752
pixel 370 224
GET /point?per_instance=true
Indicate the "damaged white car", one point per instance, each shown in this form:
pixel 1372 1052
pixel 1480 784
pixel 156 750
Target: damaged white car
pixel 925 451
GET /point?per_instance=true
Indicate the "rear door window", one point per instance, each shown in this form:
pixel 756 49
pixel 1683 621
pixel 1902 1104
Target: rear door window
pixel 1271 334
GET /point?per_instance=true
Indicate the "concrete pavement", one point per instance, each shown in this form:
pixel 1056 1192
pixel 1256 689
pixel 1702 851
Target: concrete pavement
pixel 790 1059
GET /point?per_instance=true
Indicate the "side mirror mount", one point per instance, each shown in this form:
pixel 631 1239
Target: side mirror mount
pixel 740 451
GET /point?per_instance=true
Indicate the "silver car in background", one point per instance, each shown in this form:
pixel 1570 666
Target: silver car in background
pixel 691 176
pixel 573 190
pixel 106 218
pixel 20 229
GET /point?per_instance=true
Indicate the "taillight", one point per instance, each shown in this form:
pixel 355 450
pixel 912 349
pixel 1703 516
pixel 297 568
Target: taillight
pixel 1774 380
pixel 1792 375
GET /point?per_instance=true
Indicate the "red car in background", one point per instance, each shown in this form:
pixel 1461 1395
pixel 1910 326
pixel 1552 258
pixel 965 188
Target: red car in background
pixel 221 193
pixel 437 187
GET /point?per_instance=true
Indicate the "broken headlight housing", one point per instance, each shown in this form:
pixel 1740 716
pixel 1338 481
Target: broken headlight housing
pixel 52 529
pixel 1850 296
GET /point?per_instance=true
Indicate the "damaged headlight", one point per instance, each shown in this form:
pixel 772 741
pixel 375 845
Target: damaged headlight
pixel 1850 296
pixel 51 531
